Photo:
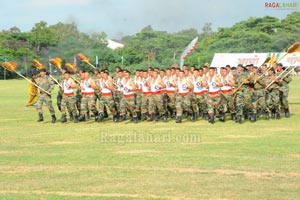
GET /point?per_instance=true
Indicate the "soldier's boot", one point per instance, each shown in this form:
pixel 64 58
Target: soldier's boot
pixel 267 116
pixel 273 114
pixel 53 118
pixel 239 119
pixel 278 116
pixel 100 117
pixel 150 118
pixel 178 119
pixel 139 115
pixel 164 117
pixel 173 114
pixel 233 116
pixel 135 120
pixel 222 117
pixel 87 116
pixel 206 116
pixel 75 119
pixel 287 113
pixel 96 117
pixel 157 117
pixel 82 118
pixel 122 118
pixel 116 118
pixel 201 114
pixel 63 118
pixel 71 117
pixel 211 119
pixel 246 115
pixel 144 116
pixel 253 117
pixel 41 118
pixel 105 113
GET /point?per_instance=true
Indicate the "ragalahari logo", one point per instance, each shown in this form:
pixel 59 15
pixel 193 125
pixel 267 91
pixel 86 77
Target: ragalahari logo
pixel 282 5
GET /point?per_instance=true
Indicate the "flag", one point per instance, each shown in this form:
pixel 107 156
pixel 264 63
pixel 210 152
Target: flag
pixel 189 49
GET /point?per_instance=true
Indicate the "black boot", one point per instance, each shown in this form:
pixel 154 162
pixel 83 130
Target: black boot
pixel 71 117
pixel 105 113
pixel 253 117
pixel 82 118
pixel 178 119
pixel 135 120
pixel 206 116
pixel 211 119
pixel 233 117
pixel 239 119
pixel 139 115
pixel 267 116
pixel 100 117
pixel 222 117
pixel 122 118
pixel 164 117
pixel 75 119
pixel 273 115
pixel 144 116
pixel 53 119
pixel 116 118
pixel 88 115
pixel 278 116
pixel 63 118
pixel 287 113
pixel 150 118
pixel 246 115
pixel 41 118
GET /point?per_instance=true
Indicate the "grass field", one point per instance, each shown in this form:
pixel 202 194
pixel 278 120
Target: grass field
pixel 192 160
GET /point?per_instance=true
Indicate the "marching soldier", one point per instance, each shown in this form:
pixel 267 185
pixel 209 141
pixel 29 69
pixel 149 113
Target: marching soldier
pixel 88 87
pixel 243 96
pixel 227 100
pixel 273 101
pixel 68 99
pixel 146 94
pixel 170 90
pixel 156 107
pixel 214 99
pixel 284 90
pixel 46 83
pixel 183 102
pixel 199 95
pixel 106 88
pixel 128 98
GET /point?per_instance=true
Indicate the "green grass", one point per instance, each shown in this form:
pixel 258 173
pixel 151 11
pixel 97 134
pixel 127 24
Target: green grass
pixel 192 160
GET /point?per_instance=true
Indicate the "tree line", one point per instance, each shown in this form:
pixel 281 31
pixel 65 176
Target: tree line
pixel 147 48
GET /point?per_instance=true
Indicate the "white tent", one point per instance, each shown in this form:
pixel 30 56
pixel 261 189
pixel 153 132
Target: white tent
pixel 257 59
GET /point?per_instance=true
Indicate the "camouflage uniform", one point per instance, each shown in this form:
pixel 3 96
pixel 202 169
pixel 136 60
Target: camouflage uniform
pixel 272 99
pixel 259 96
pixel 284 94
pixel 47 84
pixel 68 101
pixel 243 95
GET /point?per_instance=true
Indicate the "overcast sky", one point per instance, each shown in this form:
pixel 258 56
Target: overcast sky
pixel 118 18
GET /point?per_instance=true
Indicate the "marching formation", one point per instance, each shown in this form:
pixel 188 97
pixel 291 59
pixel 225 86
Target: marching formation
pixel 241 93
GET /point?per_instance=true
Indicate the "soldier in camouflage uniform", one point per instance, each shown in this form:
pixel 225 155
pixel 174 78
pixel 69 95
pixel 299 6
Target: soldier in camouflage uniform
pixel 156 107
pixel 146 94
pixel 170 92
pixel 68 100
pixel 88 87
pixel 243 95
pixel 284 90
pixel 138 93
pixel 272 99
pixel 106 87
pixel 214 95
pixel 258 80
pixel 183 100
pixel 128 98
pixel 46 83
